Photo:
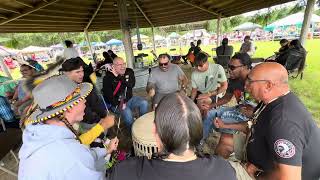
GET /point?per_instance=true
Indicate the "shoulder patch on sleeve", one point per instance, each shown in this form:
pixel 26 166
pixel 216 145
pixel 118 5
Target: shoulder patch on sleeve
pixel 284 148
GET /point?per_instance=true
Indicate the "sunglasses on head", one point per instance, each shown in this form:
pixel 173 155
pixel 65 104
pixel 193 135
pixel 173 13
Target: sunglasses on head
pixel 232 67
pixel 163 64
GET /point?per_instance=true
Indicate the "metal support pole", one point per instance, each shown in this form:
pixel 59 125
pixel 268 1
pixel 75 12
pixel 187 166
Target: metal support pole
pixel 124 24
pixel 218 30
pixel 306 21
pixel 4 67
pixel 89 45
pixel 153 41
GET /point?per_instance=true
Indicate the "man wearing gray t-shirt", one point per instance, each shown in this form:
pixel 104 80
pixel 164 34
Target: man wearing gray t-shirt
pixel 165 79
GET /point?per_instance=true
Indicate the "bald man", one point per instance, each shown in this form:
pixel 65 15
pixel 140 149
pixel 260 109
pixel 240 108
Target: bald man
pixel 284 139
pixel 117 91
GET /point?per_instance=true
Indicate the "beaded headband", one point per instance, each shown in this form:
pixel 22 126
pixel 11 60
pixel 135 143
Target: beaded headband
pixel 73 95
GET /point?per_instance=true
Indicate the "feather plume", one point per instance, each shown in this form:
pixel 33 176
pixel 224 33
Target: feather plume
pixel 52 69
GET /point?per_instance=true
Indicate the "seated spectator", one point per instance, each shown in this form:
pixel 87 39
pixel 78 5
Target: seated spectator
pixel 22 98
pixel 177 130
pixel 296 56
pixel 279 56
pixel 51 147
pixel 70 51
pixel 284 43
pixel 248 46
pixel 197 48
pixel 208 80
pixel 95 112
pixel 7 89
pixel 189 56
pixel 117 91
pixel 7 114
pixel 112 54
pixel 224 53
pixel 35 64
pixel 165 79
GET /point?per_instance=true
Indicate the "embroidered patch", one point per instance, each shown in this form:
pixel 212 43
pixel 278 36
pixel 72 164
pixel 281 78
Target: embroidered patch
pixel 284 148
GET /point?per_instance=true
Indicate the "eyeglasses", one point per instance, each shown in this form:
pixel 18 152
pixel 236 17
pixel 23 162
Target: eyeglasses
pixel 232 67
pixel 123 64
pixel 250 81
pixel 163 64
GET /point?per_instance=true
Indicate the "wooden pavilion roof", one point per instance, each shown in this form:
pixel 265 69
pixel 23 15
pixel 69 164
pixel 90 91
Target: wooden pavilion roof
pixel 97 15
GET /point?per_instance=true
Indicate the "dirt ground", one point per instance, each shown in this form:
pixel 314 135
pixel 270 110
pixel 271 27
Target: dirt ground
pixel 124 135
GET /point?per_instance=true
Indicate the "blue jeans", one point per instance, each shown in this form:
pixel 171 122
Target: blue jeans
pixel 134 102
pixel 227 114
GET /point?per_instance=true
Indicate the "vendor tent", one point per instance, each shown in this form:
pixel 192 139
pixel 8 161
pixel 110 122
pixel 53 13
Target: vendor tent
pixel 174 35
pixel 247 26
pixel 159 38
pixel 7 51
pixel 98 44
pixel 115 42
pixel 293 19
pixel 143 37
pixel 34 49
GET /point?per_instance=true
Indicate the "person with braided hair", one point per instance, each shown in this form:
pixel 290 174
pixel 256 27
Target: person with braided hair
pixel 51 147
pixel 178 130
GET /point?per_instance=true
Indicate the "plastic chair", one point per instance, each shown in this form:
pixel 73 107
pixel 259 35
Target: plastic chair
pixel 10 138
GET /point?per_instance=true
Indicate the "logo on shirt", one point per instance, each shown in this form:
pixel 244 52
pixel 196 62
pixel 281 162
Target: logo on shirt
pixel 284 148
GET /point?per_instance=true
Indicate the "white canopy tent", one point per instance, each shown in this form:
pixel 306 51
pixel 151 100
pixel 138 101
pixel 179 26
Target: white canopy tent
pixel 247 26
pixel 34 49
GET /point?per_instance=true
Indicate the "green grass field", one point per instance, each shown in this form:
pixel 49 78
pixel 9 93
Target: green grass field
pixel 307 89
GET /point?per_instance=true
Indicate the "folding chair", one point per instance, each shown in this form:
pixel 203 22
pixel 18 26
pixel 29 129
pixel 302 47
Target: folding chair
pixel 9 140
pixel 223 60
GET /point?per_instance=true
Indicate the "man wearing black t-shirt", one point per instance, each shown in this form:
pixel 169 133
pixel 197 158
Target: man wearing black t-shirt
pixel 117 91
pixel 239 68
pixel 284 140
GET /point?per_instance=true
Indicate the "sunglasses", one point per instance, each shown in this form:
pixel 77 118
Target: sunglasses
pixel 232 67
pixel 163 64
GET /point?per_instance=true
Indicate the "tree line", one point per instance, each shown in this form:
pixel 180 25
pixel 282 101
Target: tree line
pixel 22 40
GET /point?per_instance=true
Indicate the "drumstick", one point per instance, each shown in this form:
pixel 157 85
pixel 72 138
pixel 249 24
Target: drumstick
pixel 104 102
pixel 118 123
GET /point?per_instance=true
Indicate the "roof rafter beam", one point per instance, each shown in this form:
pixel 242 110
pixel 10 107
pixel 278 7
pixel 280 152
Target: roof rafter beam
pixel 94 14
pixel 24 3
pixel 3 16
pixel 199 7
pixel 28 11
pixel 10 10
pixel 142 12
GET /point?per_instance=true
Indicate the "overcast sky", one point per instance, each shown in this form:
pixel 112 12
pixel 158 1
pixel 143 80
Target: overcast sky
pixel 273 7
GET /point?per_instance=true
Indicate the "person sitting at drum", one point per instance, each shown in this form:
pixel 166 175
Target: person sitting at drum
pixel 117 91
pixel 165 79
pixel 51 148
pixel 178 131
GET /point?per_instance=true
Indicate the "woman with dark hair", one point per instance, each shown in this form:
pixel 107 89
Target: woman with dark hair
pixel 112 54
pixel 70 65
pixel 178 131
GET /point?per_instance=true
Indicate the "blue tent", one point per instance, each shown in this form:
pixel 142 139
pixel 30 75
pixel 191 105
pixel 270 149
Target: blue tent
pixel 114 42
pixel 98 44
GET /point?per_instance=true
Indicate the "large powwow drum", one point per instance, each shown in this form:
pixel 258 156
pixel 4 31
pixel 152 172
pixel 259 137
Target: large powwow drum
pixel 144 142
